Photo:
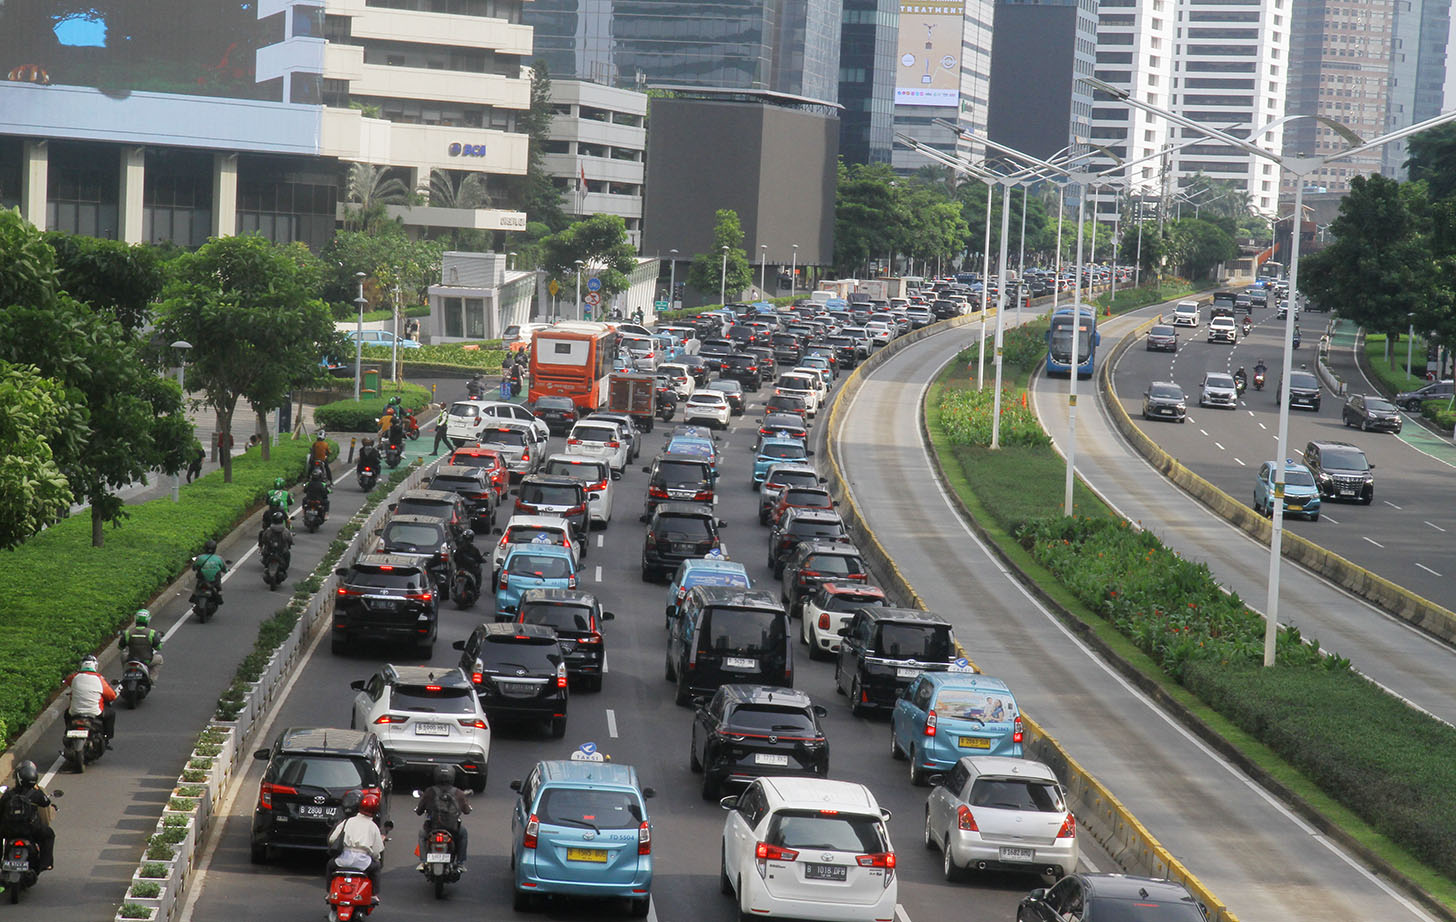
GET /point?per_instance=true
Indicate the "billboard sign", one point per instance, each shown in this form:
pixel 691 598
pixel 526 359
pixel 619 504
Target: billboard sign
pixel 930 53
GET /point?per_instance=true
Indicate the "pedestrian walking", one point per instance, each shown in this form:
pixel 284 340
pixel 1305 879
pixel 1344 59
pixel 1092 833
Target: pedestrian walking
pixel 442 422
pixel 194 462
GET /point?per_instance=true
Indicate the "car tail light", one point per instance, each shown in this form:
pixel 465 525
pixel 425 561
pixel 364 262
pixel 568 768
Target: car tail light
pixel 504 580
pixel 533 829
pixel 573 441
pixel 1016 732
pixel 766 852
pixel 505 539
pixel 346 591
pixel 477 677
pixel 520 505
pixel 593 637
pixel 369 800
pixel 1069 828
pixel 474 723
pixel 266 792
pixel 703 496
pixel 644 839
pixel 930 724
pixel 614 444
pixel 419 596
pixel 657 492
pixel 526 455
pixel 571 581
pixel 390 719
pixel 444 555
pixel 598 486
pixel 561 676
pixel 810 573
pixel 964 820
pixel 880 860
pixel 576 510
pixel 824 621
pixel 651 539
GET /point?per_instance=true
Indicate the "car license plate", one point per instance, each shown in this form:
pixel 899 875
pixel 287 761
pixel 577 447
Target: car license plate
pixel 77 734
pixel 1018 854
pixel 437 858
pixel 826 872
pixel 1347 492
pixel 974 742
pixel 1294 507
pixel 907 672
pixel 599 855
pixel 764 758
pixel 429 729
pixel 314 810
pixel 738 662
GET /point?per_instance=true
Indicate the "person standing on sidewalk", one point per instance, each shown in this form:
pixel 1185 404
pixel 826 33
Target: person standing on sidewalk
pixel 442 422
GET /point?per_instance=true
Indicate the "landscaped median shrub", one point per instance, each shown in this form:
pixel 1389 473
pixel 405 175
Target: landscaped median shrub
pixel 486 358
pixel 967 416
pixel 64 598
pixel 1439 412
pixel 363 415
pixel 1130 299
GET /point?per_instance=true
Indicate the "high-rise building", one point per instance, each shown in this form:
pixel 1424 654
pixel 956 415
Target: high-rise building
pixel 867 47
pixel 1418 71
pixel 1135 47
pixel 785 46
pixel 1040 50
pixel 595 151
pixel 943 71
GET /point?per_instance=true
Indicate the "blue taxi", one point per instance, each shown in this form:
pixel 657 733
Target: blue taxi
pixel 703 571
pixel 1301 493
pixel 693 446
pixel 773 451
pixel 942 716
pixel 580 828
pixel 533 566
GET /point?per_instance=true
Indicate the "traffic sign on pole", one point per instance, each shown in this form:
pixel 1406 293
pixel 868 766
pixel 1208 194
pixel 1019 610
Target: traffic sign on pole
pixel 593 298
pixel 594 284
pixel 553 286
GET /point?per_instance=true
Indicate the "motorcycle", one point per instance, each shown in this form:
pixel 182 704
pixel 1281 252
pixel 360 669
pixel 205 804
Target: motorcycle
pixel 1296 339
pixel 666 405
pixel 441 867
pixel 351 892
pixel 313 514
pixel 18 858
pixel 466 589
pixel 85 742
pixel 368 477
pixel 1240 384
pixel 275 567
pixel 1247 326
pixel 411 428
pixel 136 682
pixel 1258 380
pixel 393 453
pixel 206 597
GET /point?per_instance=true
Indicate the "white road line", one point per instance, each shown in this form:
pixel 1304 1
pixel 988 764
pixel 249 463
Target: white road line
pixel 1428 569
pixel 599 573
pixel 900 914
pixel 611 723
pixel 1204 431
pixel 1089 864
pixel 1220 446
pixel 1390 504
pixel 1373 541
pixel 1329 518
pixel 1251 413
pixel 1435 526
pixel 1261 425
pixel 1241 463
pixel 600 539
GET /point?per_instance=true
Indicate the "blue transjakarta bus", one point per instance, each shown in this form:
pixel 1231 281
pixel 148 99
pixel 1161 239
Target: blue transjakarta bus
pixel 1059 342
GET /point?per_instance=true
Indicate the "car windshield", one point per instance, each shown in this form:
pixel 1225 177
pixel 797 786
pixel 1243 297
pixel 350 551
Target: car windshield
pixel 834 564
pixel 760 718
pixel 1166 391
pixel 544 494
pixel 733 630
pixel 1299 478
pixel 1160 330
pixel 546 566
pixel 554 614
pixel 970 704
pixel 578 807
pixel 1344 459
pixel 683 528
pixel 554 403
pixel 1016 794
pixel 925 642
pixel 849 602
pixel 1301 379
pixel 1218 381
pixel 315 771
pixel 513 438
pixel 440 701
pixel 409 534
pixel 828 830
pixel 783 451
pixel 1380 406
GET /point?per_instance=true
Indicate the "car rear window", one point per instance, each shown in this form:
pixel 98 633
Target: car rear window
pixel 1017 794
pixel 546 566
pixel 834 564
pixel 525 534
pixel 683 528
pixel 440 701
pixel 316 771
pixel 924 642
pixel 534 654
pixel 582 470
pixel 554 614
pixel 762 718
pixel 515 438
pixel 594 433
pixel 397 578
pixel 455 484
pixel 738 630
pixel 789 478
pixel 798 497
pixel 681 472
pixel 783 451
pixel 971 704
pixel 466 410
pixel 550 494
pixel 555 403
pixel 827 831
pixel 438 508
pixel 484 462
pixel 586 809
pixel 838 602
pixel 815 529
pixel 411 535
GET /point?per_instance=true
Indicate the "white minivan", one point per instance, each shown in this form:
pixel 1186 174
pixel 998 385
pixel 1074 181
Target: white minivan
pixel 1186 314
pixel 595 474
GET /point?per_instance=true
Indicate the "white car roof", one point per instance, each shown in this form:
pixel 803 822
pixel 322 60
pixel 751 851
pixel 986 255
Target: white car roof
pixel 706 396
pixel 819 794
pixel 544 522
pixel 1008 767
pixel 572 458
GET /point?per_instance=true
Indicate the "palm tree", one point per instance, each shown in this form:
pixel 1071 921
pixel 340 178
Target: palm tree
pixel 468 191
pixel 372 188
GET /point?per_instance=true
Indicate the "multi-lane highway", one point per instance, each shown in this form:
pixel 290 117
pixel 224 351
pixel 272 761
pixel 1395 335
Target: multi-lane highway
pixel 1405 535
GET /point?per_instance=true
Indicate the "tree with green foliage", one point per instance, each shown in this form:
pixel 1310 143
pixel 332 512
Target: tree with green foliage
pixel 1432 160
pixel 372 188
pixel 33 491
pixel 1147 249
pixel 1197 246
pixel 386 258
pixel 249 309
pixel 868 215
pixel 134 422
pixel 706 273
pixel 115 278
pixel 601 243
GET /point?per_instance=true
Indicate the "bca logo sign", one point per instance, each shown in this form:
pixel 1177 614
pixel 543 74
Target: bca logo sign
pixel 467 150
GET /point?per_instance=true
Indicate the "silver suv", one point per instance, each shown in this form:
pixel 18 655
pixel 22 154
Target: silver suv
pixel 1218 390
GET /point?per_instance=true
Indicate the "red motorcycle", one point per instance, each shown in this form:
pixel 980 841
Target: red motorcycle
pixel 411 428
pixel 351 892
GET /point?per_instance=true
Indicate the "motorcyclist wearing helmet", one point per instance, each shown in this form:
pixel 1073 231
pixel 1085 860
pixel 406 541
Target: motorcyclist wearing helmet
pixel 386 420
pixel 1260 368
pixel 91 696
pixel 280 501
pixel 277 541
pixel 359 833
pixel 318 455
pixel 209 568
pixel 467 555
pixel 1241 379
pixel 33 822
pixel 318 488
pixel 442 805
pixel 368 457
pixel 141 643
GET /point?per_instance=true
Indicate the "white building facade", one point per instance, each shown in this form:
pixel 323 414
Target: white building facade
pixel 943 72
pixel 596 151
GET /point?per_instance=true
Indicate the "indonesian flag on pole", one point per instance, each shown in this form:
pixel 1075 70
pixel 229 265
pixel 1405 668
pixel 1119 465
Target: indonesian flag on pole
pixel 583 177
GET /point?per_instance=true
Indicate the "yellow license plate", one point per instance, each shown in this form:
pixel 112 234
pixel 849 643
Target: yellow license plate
pixel 598 855
pixel 974 742
pixel 1294 507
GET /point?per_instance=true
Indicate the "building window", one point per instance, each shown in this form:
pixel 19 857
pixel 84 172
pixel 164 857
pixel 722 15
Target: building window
pixel 454 326
pixel 82 188
pixel 475 318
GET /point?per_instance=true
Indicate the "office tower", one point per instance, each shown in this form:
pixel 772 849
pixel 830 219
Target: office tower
pixel 867 67
pixel 1039 51
pixel 943 72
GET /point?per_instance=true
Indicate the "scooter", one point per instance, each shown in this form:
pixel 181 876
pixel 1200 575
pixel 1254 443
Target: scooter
pixel 1248 325
pixel 351 892
pixel 18 859
pixel 466 589
pixel 136 682
pixel 393 453
pixel 313 514
pixel 368 477
pixel 1258 380
pixel 84 742
pixel 411 428
pixel 441 868
pixel 275 568
pixel 206 597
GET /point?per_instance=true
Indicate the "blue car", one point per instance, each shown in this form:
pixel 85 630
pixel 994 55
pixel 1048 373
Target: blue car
pixel 533 566
pixel 693 446
pixel 1301 493
pixel 943 716
pixel 580 828
pixel 773 451
pixel 704 571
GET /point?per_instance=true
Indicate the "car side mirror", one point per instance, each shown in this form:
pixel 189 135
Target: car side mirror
pixel 809 452
pixel 936 780
pixel 729 803
pixel 341 572
pixel 1372 467
pixel 821 711
pixel 1037 895
pixel 357 685
pixel 516 785
pixel 700 702
pixel 261 754
pixel 393 506
pixel 649 792
pixel 646 468
pixel 616 475
pixel 885 814
pixel 823 479
pixel 458 645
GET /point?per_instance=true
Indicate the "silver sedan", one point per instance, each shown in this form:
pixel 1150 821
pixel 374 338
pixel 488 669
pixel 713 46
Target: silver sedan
pixel 997 813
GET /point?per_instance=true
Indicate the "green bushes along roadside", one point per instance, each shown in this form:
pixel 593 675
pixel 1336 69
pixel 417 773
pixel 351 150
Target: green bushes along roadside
pixel 1129 299
pixel 446 357
pixel 363 415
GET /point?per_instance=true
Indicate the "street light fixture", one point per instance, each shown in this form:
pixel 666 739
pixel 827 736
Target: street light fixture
pixel 359 336
pixel 1300 166
pixel 672 279
pixel 723 279
pixel 762 269
pixel 511 261
pixel 182 346
pixel 794 273
pixel 580 308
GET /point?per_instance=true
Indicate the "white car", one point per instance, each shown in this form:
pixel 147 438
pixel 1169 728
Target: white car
pixel 681 376
pixel 880 332
pixel 1223 329
pixel 708 406
pixel 542 529
pixel 595 474
pixel 829 608
pixel 467 418
pixel 501 409
pixel 425 716
pixel 802 385
pixel 1219 390
pixel 600 438
pixel 1185 314
pixel 1004 814
pixel 808 848
pixel 819 376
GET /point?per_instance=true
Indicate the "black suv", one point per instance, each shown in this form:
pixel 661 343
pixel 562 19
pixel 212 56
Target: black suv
pixel 768 365
pixel 1411 400
pixel 471 484
pixel 798 525
pixel 1304 390
pixel 676 532
pixel 725 634
pixel 1341 471
pixel 558 413
pixel 577 618
pixel 444 505
pixel 743 369
pixel 885 649
pixel 846 353
pixel 686 478
pixel 426 540
pixel 714 352
pixel 787 348
pixel 309 772
pixel 385 597
pixel 813 562
pixel 747 731
pixel 554 494
pixel 519 671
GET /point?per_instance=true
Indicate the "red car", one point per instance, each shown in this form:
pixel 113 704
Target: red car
pixel 488 458
pixel 794 497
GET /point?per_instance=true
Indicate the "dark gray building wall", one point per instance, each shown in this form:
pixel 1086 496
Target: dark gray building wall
pixel 775 166
pixel 867 46
pixel 1032 77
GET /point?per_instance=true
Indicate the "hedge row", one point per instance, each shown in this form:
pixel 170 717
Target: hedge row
pixel 670 316
pixel 445 357
pixel 1439 412
pixel 64 598
pixel 363 415
pixel 967 416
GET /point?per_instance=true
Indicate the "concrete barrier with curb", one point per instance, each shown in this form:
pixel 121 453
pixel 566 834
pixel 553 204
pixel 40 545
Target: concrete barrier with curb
pixel 1099 812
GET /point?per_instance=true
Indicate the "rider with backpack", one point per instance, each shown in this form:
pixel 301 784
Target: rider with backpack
pixel 25 810
pixel 442 804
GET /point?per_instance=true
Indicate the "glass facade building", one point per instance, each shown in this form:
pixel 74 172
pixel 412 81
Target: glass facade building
pixel 870 30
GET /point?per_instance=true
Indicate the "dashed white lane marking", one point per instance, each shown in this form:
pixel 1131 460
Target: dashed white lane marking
pixel 1390 504
pixel 611 723
pixel 1435 526
pixel 600 539
pixel 599 573
pixel 1428 569
pixel 1220 446
pixel 1261 425
pixel 1204 431
pixel 1330 519
pixel 1373 541
pixel 1241 462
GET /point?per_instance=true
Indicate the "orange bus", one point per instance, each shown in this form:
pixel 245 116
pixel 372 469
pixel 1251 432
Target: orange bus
pixel 573 359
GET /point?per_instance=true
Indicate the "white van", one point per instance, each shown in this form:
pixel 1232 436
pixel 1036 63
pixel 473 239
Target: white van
pixel 1186 314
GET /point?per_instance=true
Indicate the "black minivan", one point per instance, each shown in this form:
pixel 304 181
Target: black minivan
pixel 885 649
pixel 727 634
